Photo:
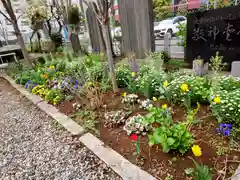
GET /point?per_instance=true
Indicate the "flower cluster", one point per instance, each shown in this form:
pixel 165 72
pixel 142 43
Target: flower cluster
pixel 30 85
pixel 145 104
pixel 136 124
pixel 187 85
pixel 115 118
pixel 40 90
pixel 228 83
pixel 76 106
pixel 224 129
pixel 129 98
pixel 225 105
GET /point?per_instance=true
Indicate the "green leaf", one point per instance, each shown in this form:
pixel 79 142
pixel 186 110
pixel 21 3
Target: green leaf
pixel 151 141
pixel 165 147
pixel 188 171
pixel 182 150
pixel 170 141
pixel 157 138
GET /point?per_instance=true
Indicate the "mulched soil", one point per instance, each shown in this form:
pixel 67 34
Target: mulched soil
pixel 153 160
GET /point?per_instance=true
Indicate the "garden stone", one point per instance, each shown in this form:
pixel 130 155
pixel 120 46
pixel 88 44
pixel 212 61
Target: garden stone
pixel 235 70
pixel 199 67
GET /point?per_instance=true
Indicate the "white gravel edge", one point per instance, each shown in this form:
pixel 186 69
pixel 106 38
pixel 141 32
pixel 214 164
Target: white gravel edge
pixel 118 163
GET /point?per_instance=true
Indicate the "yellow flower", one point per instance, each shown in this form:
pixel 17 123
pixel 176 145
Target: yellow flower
pixel 217 100
pixel 124 94
pixel 196 150
pixel 184 87
pixel 89 83
pixel 165 84
pixel 164 106
pixel 101 54
pixel 154 99
pixel 133 74
pixel 52 67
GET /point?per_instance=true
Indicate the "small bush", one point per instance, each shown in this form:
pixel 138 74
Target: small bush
pixel 199 89
pixel 123 75
pixel 227 108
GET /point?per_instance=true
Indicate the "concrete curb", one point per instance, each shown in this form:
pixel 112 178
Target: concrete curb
pixel 236 176
pixel 118 163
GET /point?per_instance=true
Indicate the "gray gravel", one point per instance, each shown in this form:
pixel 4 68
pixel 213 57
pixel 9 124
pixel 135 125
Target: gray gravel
pixel 32 146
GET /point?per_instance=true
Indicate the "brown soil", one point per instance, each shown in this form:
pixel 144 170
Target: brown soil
pixel 153 160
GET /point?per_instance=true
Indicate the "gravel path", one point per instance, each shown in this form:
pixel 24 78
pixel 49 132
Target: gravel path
pixel 33 146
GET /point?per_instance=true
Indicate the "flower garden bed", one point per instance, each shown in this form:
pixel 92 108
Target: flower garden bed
pixel 153 160
pixel 173 125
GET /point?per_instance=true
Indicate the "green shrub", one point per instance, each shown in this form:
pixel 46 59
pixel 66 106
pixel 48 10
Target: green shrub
pixel 123 75
pixel 199 89
pixel 33 75
pixel 201 172
pixel 229 83
pixel 228 109
pixel 151 83
pixel 53 96
pixel 173 137
pixel 98 72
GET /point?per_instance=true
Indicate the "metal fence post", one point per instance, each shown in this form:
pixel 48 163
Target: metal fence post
pixel 167 43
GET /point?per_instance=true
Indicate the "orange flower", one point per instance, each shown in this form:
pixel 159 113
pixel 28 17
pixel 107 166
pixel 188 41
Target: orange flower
pixel 45 76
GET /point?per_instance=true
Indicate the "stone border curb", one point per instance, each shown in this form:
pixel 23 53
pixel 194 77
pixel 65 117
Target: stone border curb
pixel 236 176
pixel 50 110
pixel 114 160
pixel 118 163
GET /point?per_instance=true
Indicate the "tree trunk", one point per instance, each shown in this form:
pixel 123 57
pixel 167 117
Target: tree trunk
pixel 22 45
pixel 106 37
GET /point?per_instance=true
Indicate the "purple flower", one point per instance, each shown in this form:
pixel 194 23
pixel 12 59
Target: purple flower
pixel 76 82
pixel 226 132
pixel 134 65
pixel 229 126
pixel 26 86
pixel 223 125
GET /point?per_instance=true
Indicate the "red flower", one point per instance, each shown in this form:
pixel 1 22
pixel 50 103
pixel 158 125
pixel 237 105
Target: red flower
pixel 134 137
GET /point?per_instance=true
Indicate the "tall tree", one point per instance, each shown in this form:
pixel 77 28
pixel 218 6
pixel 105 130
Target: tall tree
pixel 102 14
pixel 11 17
pixel 161 9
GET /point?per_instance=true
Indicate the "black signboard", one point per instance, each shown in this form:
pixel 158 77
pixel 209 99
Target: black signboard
pixel 214 30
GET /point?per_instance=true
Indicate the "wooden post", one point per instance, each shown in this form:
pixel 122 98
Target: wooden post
pixel 136 18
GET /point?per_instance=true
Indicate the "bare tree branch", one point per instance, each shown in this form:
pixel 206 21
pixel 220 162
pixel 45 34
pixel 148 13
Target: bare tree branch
pixel 20 16
pixel 6 16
